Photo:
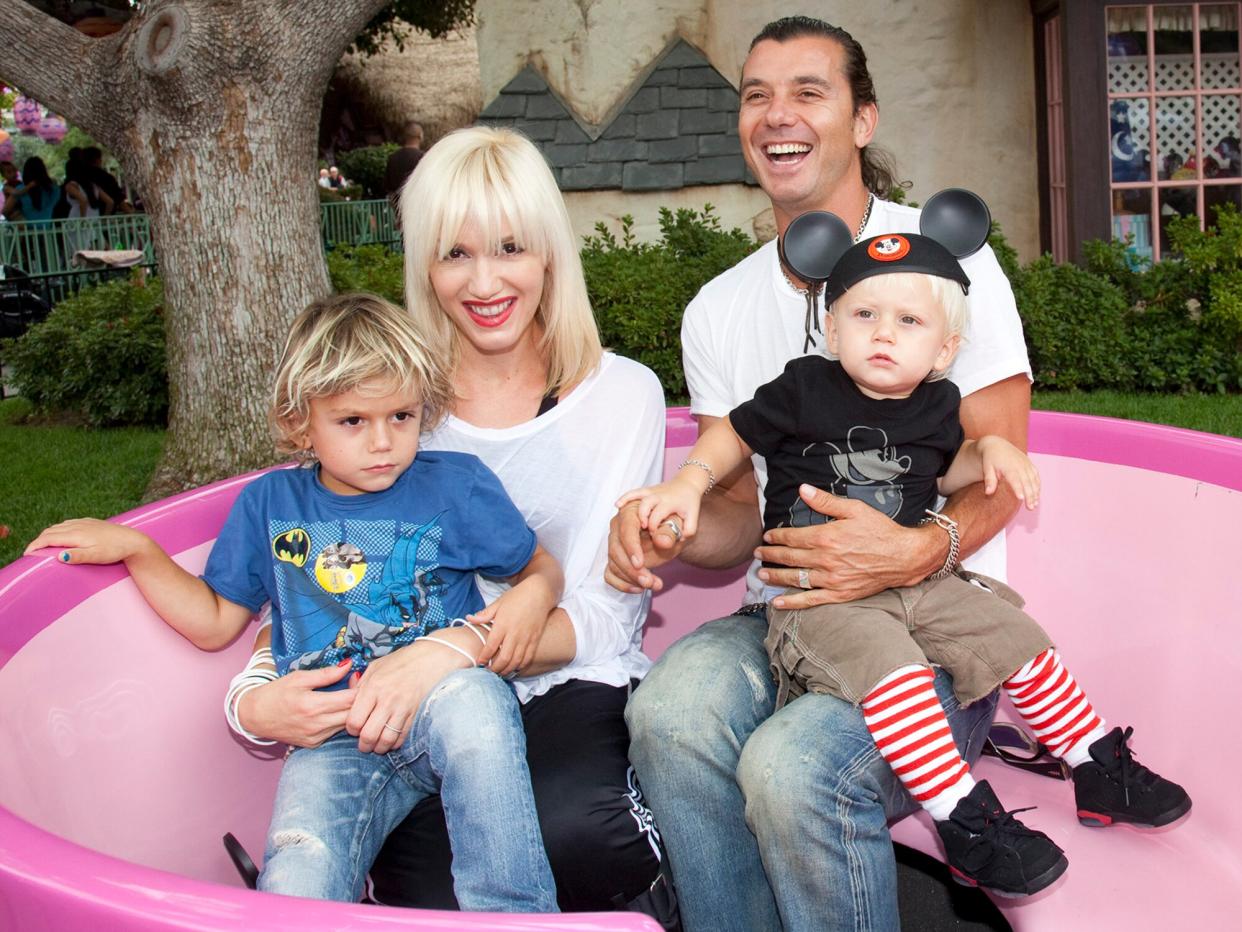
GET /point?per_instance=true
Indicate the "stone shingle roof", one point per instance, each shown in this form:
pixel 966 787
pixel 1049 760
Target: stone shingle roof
pixel 679 128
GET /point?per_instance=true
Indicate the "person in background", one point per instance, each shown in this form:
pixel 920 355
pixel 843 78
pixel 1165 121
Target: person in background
pixel 36 196
pixel 111 193
pixel 12 181
pixel 402 162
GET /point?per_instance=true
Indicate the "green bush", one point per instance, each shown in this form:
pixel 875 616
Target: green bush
pixel 1075 326
pixel 639 290
pixel 365 167
pixel 374 268
pixel 98 355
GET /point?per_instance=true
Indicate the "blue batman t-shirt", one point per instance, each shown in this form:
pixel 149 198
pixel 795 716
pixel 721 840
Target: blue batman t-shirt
pixel 353 577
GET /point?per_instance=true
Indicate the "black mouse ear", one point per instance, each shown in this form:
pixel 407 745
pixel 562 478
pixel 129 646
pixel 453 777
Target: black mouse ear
pixel 958 220
pixel 813 243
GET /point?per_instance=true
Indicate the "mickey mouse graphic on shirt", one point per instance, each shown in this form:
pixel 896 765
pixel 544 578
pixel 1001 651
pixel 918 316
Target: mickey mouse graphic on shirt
pixel 868 471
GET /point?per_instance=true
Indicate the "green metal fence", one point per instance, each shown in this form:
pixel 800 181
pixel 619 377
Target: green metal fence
pixel 354 223
pixel 47 248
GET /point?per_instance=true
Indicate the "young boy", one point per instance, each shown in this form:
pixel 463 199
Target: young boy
pixel 880 424
pixel 368 549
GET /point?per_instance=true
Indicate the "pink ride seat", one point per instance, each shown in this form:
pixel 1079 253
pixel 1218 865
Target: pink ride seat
pixel 119 775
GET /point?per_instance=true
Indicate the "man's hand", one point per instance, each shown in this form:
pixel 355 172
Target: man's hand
pixel 858 554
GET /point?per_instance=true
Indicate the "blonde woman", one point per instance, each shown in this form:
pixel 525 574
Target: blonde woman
pixel 495 286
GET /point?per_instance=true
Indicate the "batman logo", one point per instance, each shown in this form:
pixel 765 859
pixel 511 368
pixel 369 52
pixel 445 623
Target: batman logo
pixel 292 547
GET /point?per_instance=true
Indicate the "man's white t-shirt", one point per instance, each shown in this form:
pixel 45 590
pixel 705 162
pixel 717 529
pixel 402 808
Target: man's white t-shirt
pixel 745 324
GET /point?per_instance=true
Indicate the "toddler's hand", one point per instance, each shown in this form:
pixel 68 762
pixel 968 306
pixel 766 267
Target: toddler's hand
pixel 1002 460
pixel 657 504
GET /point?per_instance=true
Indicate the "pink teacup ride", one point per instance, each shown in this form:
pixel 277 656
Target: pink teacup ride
pixel 119 775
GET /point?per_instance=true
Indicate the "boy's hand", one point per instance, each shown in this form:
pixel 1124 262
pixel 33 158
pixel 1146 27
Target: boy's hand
pixel 518 619
pixel 1002 460
pixel 676 498
pixel 89 540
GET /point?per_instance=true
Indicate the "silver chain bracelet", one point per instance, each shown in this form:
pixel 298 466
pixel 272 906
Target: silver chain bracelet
pixel 955 543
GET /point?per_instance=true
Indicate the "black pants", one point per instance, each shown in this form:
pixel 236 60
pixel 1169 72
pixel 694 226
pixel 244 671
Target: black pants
pixel 598 832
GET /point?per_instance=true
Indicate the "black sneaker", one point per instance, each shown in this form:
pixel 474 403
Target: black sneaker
pixel 987 847
pixel 1114 787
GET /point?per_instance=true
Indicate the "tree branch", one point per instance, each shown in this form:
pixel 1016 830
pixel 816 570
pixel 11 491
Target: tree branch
pixel 34 40
pixel 331 22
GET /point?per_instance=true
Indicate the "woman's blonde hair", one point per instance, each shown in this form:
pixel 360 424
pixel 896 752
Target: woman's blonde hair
pixel 488 177
pixel 338 343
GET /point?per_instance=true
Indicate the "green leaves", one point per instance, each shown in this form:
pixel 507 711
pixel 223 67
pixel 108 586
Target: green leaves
pixel 98 355
pixel 640 290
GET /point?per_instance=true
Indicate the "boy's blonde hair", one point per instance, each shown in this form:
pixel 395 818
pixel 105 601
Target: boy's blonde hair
pixel 944 291
pixel 338 343
pixel 490 176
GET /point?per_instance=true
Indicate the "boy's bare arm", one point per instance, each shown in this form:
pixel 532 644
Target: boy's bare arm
pixel 185 602
pixel 989 460
pixel 521 614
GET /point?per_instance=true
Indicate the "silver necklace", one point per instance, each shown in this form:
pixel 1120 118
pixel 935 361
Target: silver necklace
pixel 812 295
pixel 857 236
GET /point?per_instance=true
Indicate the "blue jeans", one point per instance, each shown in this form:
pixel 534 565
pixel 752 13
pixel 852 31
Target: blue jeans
pixel 770 820
pixel 335 805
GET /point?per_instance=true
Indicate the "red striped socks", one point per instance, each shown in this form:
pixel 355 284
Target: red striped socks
pixel 909 727
pixel 1055 708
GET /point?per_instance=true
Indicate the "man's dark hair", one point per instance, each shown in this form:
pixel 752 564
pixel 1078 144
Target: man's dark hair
pixel 879 172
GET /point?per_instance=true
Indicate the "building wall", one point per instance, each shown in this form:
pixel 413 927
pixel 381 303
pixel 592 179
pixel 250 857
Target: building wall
pixel 967 64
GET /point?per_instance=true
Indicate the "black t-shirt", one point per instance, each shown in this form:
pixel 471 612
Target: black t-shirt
pixel 812 424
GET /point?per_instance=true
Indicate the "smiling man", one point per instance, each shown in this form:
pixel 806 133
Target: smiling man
pixel 780 819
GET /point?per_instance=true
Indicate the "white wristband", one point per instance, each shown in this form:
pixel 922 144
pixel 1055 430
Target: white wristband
pixel 241 684
pixel 474 661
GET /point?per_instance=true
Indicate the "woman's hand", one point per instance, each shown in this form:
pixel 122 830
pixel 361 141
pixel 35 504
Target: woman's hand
pixel 394 686
pixel 291 710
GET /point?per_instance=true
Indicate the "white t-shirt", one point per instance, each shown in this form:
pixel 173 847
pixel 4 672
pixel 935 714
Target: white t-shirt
pixel 746 323
pixel 564 470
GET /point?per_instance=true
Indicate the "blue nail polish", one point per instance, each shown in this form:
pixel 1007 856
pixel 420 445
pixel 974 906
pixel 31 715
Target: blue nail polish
pixel 64 556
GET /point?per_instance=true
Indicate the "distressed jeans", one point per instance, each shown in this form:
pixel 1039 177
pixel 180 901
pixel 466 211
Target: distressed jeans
pixel 335 805
pixel 770 820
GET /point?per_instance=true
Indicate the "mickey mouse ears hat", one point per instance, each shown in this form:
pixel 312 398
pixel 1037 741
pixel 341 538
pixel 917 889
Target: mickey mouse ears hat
pixel 819 248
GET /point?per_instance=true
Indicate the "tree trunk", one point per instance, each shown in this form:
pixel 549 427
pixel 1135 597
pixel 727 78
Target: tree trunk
pixel 211 107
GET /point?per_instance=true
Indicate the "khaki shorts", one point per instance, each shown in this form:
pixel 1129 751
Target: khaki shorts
pixel 980 635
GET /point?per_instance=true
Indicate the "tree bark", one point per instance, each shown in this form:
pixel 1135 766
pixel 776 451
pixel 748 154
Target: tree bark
pixel 211 106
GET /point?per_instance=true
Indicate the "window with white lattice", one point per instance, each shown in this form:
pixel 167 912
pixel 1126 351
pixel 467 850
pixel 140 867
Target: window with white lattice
pixel 1174 99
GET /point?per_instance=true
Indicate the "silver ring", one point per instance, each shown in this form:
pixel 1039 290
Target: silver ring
pixel 674 526
pixel 390 728
pixel 804 578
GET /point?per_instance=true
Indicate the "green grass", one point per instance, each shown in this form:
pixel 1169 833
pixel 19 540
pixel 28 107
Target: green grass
pixel 51 473
pixel 1215 414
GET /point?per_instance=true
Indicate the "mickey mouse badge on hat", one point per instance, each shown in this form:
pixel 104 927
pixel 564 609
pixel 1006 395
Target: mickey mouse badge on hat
pixel 819 248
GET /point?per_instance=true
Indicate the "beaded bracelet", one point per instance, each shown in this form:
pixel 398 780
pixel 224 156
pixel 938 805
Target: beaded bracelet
pixel 711 476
